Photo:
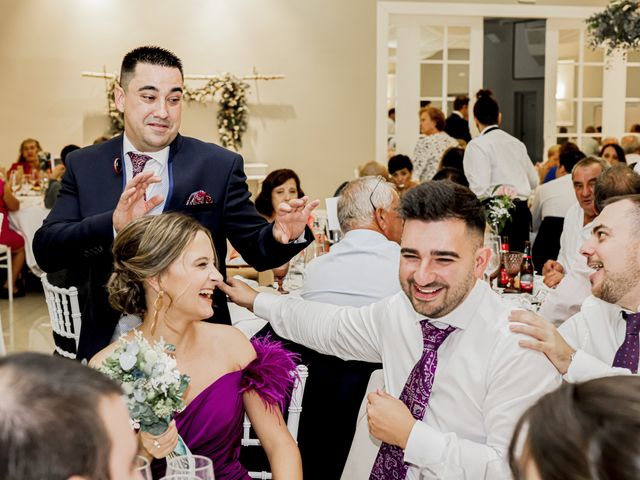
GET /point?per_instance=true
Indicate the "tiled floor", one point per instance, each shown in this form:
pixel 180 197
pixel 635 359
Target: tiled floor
pixel 27 327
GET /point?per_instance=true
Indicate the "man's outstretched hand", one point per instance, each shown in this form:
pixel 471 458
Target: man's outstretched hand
pixel 239 292
pixel 291 218
pixel 132 203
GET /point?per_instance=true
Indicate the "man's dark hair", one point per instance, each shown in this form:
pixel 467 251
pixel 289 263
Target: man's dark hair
pixel 569 158
pixel 616 181
pixel 582 431
pixel 486 108
pixel 150 55
pixel 66 151
pixel 453 174
pixel 439 200
pixel 460 101
pixel 452 158
pixel 398 162
pixel 50 427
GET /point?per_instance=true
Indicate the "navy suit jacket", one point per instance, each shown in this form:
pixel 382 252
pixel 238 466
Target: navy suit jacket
pixel 79 229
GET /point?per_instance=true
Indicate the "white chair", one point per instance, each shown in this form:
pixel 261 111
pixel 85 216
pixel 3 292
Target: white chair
pixel 64 313
pixel 293 420
pixel 5 262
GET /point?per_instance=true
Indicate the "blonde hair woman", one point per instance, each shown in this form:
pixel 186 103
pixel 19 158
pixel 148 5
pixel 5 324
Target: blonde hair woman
pixel 165 272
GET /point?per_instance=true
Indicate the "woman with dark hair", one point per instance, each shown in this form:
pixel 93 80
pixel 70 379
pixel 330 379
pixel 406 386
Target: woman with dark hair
pixel 452 158
pixel 495 158
pixel 279 186
pixel 430 146
pixel 585 431
pixel 613 153
pixel 400 170
pixel 453 174
pixel 28 157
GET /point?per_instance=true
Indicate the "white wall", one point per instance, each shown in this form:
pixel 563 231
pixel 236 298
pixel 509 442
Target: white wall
pixel 319 120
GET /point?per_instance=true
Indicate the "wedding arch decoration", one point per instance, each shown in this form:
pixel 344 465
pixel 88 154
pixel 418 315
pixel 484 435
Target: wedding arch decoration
pixel 617 27
pixel 229 91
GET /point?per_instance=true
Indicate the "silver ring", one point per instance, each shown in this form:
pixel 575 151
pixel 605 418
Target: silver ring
pixel 156 444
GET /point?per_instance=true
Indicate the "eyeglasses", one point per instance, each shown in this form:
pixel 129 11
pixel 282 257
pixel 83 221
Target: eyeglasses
pixel 380 179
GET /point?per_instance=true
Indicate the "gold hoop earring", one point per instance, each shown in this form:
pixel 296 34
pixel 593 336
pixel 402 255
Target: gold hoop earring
pixel 157 305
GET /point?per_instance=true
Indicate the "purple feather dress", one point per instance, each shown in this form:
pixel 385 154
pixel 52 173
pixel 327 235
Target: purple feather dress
pixel 211 425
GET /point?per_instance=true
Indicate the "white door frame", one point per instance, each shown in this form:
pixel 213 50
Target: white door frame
pixel 386 9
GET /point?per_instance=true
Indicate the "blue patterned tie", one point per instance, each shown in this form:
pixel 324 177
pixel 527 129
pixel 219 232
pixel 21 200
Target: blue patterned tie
pixel 389 463
pixel 628 354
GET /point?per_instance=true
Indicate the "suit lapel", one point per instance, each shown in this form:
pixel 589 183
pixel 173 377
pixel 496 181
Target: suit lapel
pixel 177 181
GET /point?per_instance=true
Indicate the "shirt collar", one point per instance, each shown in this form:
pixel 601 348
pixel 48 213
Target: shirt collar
pixel 495 125
pixel 463 314
pixel 161 156
pixel 456 112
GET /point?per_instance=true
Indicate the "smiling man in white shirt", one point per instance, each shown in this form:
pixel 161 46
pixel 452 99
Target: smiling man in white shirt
pixel 456 379
pixel 601 339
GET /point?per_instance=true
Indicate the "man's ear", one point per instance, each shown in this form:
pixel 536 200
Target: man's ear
pixel 77 477
pixel 483 254
pixel 500 118
pixel 118 96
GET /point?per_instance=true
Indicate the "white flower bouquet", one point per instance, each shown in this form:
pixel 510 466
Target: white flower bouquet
pixel 152 384
pixel 498 206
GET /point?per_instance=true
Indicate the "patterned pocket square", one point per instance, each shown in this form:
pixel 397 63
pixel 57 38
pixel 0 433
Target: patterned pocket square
pixel 199 198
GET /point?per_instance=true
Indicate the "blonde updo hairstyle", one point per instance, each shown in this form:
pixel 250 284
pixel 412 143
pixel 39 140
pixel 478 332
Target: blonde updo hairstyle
pixel 146 248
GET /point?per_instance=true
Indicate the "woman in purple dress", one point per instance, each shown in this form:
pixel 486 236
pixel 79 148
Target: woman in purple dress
pixel 165 273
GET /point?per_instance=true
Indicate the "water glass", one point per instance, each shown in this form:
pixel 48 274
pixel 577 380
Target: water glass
pixel 442 471
pixel 197 466
pixel 143 468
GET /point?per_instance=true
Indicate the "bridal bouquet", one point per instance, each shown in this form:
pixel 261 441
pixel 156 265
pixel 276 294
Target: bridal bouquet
pixel 152 385
pixel 498 206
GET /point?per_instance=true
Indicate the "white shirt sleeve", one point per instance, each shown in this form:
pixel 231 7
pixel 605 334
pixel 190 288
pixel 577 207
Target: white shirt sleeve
pixel 587 367
pixel 477 168
pixel 536 210
pixel 347 332
pixel 508 396
pixel 532 174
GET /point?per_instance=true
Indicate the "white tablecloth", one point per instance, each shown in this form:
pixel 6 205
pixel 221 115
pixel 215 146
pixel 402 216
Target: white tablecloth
pixel 27 220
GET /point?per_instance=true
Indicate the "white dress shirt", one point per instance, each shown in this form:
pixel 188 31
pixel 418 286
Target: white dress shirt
pixel 552 199
pixel 483 383
pixel 574 234
pixel 632 158
pixel 158 164
pixel 496 158
pixel 596 332
pixel 565 299
pixel 344 275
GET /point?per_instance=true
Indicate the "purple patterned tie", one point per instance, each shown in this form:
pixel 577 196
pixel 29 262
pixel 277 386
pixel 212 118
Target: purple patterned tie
pixel 138 161
pixel 628 354
pixel 389 463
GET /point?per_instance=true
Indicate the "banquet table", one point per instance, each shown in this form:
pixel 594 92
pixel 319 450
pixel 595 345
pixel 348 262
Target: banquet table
pixel 26 221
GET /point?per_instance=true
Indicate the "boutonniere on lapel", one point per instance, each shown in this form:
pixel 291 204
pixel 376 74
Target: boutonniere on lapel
pixel 199 198
pixel 117 165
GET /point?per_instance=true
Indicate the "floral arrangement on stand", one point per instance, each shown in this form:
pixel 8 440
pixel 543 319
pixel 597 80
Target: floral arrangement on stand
pixel 152 385
pixel 617 27
pixel 498 206
pixel 231 94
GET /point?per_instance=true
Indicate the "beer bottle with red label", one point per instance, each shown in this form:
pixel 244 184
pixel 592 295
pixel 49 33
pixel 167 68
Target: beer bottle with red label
pixel 526 271
pixel 503 276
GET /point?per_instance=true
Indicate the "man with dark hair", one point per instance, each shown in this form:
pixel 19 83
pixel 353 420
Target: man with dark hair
pixel 457 124
pixel 602 338
pixel 60 420
pixel 444 324
pixel 149 169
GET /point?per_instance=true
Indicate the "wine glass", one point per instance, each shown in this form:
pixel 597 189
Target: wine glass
pixel 142 468
pixel 493 243
pixel 279 274
pixel 512 262
pixel 191 466
pixel 180 476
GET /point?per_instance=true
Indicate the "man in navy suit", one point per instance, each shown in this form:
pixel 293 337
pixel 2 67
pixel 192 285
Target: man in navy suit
pixel 457 124
pixel 149 169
